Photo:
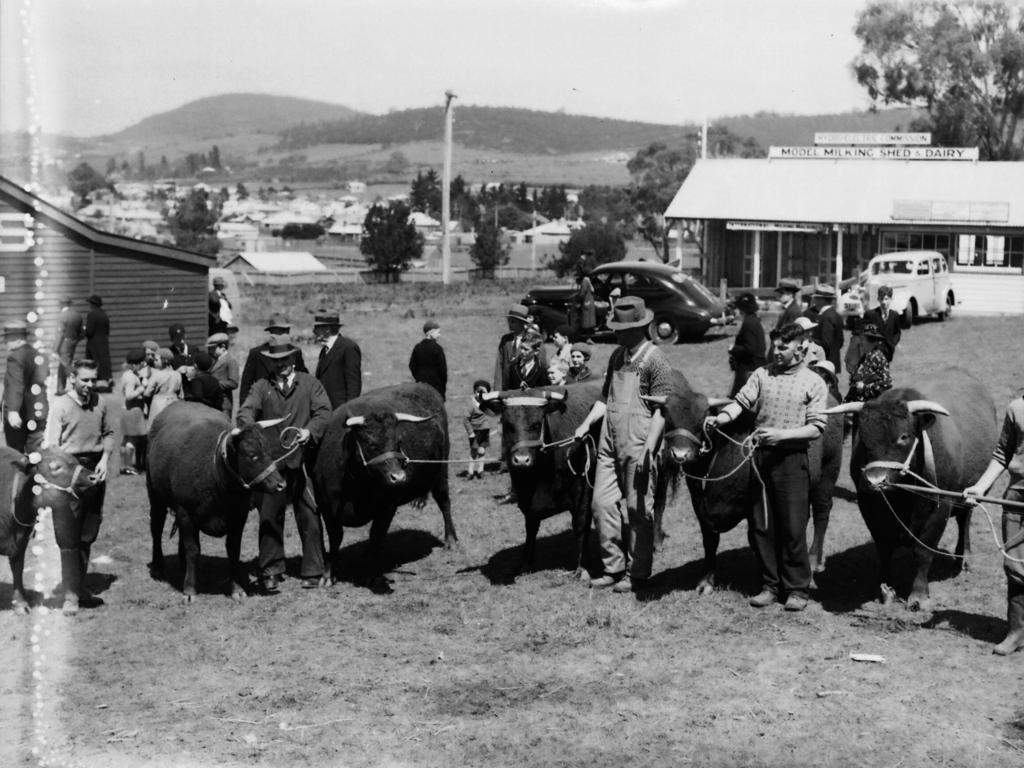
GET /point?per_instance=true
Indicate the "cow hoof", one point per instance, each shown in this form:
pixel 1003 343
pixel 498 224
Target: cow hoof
pixel 70 607
pixel 888 594
pixel 917 603
pixel 818 566
pixel 187 598
pixel 450 544
pixel 965 565
pixel 238 595
pixel 705 587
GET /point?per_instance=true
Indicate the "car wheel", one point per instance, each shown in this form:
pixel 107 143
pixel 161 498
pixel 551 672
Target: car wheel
pixel 948 311
pixel 663 330
pixel 910 313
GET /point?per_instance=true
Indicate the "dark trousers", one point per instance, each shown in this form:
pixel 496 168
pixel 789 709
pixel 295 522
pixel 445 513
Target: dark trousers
pixel 76 526
pixel 23 439
pixel 778 525
pixel 298 493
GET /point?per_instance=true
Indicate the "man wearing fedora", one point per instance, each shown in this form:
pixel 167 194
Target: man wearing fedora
pixel 301 403
pixel 630 436
pixel 25 404
pixel 69 333
pixel 428 363
pixel 97 342
pixel 788 293
pixel 509 347
pixel 340 367
pixel 829 333
pixel 257 366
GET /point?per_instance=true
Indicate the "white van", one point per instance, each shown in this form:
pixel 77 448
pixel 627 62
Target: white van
pixel 919 280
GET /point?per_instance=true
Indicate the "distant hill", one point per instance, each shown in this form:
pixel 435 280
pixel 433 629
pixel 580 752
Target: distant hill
pixel 554 133
pixel 230 114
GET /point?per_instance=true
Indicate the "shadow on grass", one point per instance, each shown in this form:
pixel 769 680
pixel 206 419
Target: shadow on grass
pixel 987 629
pixel 553 553
pixel 736 571
pixel 212 573
pixel 354 564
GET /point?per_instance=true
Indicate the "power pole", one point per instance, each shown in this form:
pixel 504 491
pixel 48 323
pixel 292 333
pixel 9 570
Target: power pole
pixel 446 203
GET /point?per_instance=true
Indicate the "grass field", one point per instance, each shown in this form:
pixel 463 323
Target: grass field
pixel 459 668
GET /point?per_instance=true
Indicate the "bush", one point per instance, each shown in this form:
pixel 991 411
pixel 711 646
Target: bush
pixel 302 231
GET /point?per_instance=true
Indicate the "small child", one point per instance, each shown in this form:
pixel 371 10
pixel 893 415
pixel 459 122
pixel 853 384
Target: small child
pixel 203 386
pixel 133 420
pixel 478 431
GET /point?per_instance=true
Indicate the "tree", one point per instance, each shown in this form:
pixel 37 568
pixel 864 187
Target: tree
pixel 963 63
pixel 425 193
pixel 605 240
pixel 241 192
pixel 489 250
pixel 390 241
pixel 192 223
pixel 215 157
pixel 83 180
pixel 397 164
pixel 658 171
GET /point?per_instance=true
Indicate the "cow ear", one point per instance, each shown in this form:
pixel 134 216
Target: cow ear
pixel 923 420
pixel 492 402
pixel 556 399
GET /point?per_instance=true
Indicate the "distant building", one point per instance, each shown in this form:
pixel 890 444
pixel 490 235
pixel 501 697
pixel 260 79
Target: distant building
pixel 274 262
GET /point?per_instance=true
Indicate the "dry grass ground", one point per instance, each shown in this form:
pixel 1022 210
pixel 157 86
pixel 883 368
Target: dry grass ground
pixel 460 668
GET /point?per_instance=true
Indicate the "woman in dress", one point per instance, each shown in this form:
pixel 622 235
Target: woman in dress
pixel 164 385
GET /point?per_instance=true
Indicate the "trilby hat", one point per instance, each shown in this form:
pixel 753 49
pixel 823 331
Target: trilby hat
pixel 279 351
pixel 630 312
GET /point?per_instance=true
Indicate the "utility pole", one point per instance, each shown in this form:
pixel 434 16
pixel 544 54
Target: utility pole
pixel 446 203
pixel 533 238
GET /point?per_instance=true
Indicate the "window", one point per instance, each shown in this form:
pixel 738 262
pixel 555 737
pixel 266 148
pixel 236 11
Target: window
pixel 917 241
pixel 990 251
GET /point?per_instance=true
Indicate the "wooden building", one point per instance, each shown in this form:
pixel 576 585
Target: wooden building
pixel 817 219
pixel 47 254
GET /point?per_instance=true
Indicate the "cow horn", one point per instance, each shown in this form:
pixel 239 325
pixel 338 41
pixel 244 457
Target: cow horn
pixel 525 401
pixel 486 397
pixel 355 421
pixel 657 399
pixel 926 406
pixel 410 417
pixel 235 432
pixel 270 422
pixel 718 402
pixel 555 395
pixel 854 407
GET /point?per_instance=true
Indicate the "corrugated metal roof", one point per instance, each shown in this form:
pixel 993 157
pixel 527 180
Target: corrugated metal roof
pixel 280 261
pixel 850 191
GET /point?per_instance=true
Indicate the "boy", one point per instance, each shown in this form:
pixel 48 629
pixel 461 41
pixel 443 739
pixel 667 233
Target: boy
pixel 478 431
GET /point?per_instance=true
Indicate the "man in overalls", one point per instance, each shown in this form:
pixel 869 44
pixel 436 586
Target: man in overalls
pixel 629 441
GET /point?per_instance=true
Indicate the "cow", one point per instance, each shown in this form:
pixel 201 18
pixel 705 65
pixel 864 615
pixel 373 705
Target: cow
pixel 383 449
pixel 939 433
pixel 717 468
pixel 61 480
pixel 550 472
pixel 205 471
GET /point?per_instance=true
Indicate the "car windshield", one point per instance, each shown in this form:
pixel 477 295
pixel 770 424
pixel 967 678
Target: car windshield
pixel 901 267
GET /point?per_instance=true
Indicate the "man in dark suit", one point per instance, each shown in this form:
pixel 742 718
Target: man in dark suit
pixel 258 366
pixel 340 368
pixel 890 323
pixel 829 332
pixel 69 333
pixel 25 404
pixel 427 363
pixel 788 292
pixel 97 343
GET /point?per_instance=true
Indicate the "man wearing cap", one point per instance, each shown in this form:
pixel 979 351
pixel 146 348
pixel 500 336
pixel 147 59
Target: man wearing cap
pixel 225 370
pixel 509 346
pixel 427 363
pixel 787 292
pixel 97 342
pixel 302 403
pixel 219 306
pixel 340 367
pixel 889 323
pixel 829 331
pixel 259 367
pixel 25 404
pixel 630 436
pixel 70 332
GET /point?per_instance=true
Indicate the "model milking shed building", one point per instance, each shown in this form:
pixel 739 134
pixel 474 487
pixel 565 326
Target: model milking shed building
pixel 47 254
pixel 821 212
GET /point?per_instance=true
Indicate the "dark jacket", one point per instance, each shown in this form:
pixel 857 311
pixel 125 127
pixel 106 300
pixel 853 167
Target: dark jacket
pixel 304 405
pixel 340 370
pixel 204 388
pixel 749 348
pixel 258 366
pixel 536 377
pixel 71 331
pixel 428 365
pixel 891 328
pixel 506 361
pixel 22 373
pixel 789 315
pixel 829 334
pixel 97 341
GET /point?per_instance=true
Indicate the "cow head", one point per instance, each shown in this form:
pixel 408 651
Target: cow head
pixel 684 439
pixel 888 433
pixel 59 477
pixel 378 444
pixel 523 421
pixel 254 460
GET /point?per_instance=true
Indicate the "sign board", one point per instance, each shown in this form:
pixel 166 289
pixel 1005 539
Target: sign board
pixel 873 153
pixel 923 139
pixel 950 210
pixel 772 226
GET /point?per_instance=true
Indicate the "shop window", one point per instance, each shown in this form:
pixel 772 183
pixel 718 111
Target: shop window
pixel 990 251
pixel 15 232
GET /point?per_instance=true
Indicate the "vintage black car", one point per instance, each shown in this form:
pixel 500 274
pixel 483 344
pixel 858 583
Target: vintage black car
pixel 683 308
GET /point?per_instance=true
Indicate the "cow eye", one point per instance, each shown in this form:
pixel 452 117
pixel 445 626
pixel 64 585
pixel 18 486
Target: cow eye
pixel 55 467
pixel 903 439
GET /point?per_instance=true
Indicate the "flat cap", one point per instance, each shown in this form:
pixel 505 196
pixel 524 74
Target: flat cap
pixel 788 285
pixel 217 338
pixel 15 328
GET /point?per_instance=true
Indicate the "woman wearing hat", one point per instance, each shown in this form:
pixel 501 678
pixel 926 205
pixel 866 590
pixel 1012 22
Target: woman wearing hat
pixel 748 351
pixel 871 377
pixel 133 420
pixel 630 435
pixel 578 359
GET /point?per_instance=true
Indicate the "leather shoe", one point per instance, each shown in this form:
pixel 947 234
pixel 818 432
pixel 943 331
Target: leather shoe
pixel 603 582
pixel 269 585
pixel 311 582
pixel 763 599
pixel 796 603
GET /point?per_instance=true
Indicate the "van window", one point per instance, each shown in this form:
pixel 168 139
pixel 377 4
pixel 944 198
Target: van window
pixel 893 268
pixel 922 268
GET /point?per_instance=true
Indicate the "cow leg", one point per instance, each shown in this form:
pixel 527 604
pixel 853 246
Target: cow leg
pixel 529 553
pixel 821 510
pixel 658 506
pixel 188 545
pixel 581 522
pixel 928 536
pixel 237 579
pixel 963 537
pixel 335 535
pixel 443 498
pixel 157 518
pixel 378 533
pixel 19 600
pixel 710 538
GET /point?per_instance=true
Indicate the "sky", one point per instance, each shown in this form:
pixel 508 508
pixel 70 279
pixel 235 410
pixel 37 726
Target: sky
pixel 87 67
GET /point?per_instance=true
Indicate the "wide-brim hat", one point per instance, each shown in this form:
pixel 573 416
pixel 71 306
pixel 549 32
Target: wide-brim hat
pixel 805 323
pixel 870 331
pixel 788 285
pixel 630 312
pixel 327 318
pixel 823 291
pixel 825 365
pixel 279 351
pixel 518 312
pixel 278 322
pixel 95 300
